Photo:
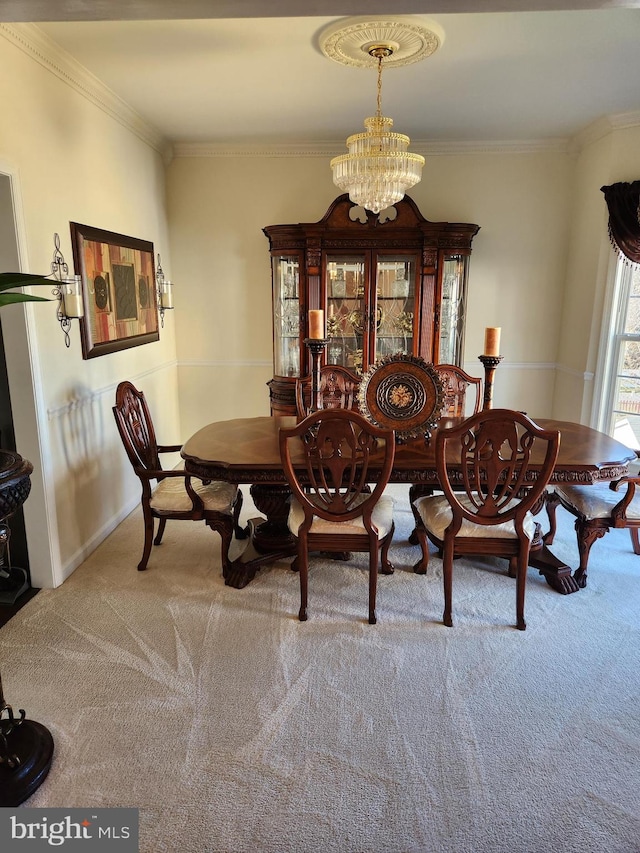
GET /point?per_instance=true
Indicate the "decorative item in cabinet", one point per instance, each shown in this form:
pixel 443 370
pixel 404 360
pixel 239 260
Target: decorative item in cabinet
pixel 388 283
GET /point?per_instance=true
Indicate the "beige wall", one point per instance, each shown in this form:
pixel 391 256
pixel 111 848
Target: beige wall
pixel 219 205
pixel 71 161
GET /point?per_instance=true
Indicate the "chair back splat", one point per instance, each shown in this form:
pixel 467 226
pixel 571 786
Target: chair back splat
pixel 174 493
pixel 338 390
pixel 329 459
pixel 493 469
pixel 457 382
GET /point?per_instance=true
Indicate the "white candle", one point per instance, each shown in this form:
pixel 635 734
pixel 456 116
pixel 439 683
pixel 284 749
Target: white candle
pixel 492 340
pixel 166 295
pixel 73 306
pixel 316 323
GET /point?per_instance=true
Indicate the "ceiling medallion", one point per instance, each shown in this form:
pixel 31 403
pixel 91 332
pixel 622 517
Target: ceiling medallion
pixel 349 41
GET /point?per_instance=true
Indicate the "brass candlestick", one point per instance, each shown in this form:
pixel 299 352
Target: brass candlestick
pixel 490 363
pixel 316 346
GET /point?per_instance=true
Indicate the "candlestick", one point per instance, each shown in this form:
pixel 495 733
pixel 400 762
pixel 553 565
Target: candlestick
pixel 316 323
pixel 317 347
pixel 490 363
pixel 492 341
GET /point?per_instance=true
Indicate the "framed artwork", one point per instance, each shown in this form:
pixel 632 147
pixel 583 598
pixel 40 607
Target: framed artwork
pixel 118 289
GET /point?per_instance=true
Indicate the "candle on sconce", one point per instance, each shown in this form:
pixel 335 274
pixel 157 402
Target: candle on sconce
pixel 166 295
pixel 316 323
pixel 492 341
pixel 72 304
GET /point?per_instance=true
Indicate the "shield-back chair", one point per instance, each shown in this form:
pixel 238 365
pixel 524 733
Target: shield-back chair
pixel 327 460
pixel 483 467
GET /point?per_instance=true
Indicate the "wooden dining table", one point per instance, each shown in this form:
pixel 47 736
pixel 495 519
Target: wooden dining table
pixel 246 450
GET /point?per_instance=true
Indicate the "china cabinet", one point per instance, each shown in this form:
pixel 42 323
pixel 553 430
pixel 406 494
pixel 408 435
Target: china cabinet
pixel 388 283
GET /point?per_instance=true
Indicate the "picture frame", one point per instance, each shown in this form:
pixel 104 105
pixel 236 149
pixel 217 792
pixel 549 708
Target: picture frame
pixel 118 290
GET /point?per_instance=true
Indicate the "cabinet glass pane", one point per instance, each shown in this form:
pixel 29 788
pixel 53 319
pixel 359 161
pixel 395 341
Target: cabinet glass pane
pixel 286 316
pixel 452 310
pixel 395 305
pixel 346 311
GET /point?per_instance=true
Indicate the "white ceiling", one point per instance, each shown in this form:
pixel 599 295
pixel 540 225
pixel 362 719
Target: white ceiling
pixel 498 76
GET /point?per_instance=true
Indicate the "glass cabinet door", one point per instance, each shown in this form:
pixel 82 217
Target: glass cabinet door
pixel 452 306
pixel 347 311
pixel 286 315
pixel 395 305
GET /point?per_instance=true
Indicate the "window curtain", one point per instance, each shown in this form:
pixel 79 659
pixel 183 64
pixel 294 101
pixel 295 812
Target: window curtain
pixel 623 201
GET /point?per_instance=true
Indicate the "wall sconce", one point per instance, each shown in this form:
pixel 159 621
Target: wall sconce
pixel 165 292
pixel 68 291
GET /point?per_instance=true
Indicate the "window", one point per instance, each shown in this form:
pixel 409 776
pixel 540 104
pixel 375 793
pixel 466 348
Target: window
pixel 620 404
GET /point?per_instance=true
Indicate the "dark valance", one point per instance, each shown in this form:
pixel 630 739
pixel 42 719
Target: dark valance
pixel 623 201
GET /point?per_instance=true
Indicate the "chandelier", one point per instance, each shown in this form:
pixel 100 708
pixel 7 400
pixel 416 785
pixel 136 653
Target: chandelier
pixel 378 168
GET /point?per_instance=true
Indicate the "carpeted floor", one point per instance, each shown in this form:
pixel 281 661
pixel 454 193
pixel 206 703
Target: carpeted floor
pixel 235 728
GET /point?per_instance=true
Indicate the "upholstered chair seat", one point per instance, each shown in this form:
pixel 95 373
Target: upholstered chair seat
pixel 596 501
pixel 381 518
pixel 436 515
pixel 171 495
pixel 597 509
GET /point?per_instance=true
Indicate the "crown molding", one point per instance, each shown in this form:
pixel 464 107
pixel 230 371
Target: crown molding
pixel 602 127
pixel 331 149
pixel 35 43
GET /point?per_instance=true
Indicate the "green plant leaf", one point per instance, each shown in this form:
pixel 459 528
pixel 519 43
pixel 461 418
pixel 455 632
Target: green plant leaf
pixel 9 298
pixel 21 279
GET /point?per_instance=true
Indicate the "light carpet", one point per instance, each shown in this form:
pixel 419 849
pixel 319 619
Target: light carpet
pixel 233 727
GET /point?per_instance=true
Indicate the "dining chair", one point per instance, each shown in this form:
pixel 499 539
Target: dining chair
pixel 338 390
pixel 597 508
pixel 484 469
pixel 456 383
pixel 327 460
pixel 173 493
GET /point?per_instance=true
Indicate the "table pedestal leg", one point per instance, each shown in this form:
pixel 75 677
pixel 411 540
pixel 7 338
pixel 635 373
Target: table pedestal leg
pixel 556 573
pixel 269 539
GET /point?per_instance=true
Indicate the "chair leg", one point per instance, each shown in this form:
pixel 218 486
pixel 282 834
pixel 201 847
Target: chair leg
pixel 635 541
pixel 447 577
pixel 161 526
pixel 386 567
pixel 587 535
pixel 148 537
pixel 552 501
pixel 373 584
pixel 521 583
pixel 303 571
pixel 420 568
